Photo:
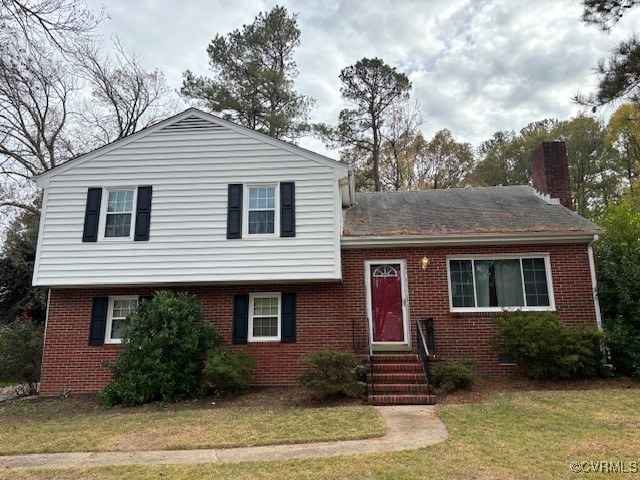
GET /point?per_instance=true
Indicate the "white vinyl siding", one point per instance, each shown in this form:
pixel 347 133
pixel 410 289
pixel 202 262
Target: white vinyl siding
pixel 190 170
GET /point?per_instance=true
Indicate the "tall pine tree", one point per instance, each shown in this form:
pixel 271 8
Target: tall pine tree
pixel 372 87
pixel 253 75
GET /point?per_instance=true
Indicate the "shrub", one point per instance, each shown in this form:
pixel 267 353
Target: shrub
pixel 544 347
pixel 229 372
pixel 21 353
pixel 618 263
pixel 333 373
pixel 451 375
pixel 623 341
pixel 163 348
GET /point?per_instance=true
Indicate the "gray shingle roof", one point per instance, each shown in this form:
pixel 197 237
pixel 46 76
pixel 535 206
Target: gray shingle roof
pixel 471 210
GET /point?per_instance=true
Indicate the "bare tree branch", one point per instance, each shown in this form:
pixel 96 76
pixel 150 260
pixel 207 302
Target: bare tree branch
pixel 24 206
pixel 50 67
pixel 59 23
pixel 129 97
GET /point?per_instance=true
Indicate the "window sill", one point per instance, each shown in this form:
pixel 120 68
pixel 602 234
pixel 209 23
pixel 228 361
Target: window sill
pixel 259 236
pixel 502 309
pixel 115 239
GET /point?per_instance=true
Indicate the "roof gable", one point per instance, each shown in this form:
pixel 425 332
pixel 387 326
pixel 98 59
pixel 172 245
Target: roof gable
pixel 190 119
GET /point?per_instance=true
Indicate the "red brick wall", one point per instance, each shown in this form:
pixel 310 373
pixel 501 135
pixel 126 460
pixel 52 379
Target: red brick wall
pixel 70 363
pixel 324 315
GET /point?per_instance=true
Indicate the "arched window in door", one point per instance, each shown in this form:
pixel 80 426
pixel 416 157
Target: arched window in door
pixel 385 271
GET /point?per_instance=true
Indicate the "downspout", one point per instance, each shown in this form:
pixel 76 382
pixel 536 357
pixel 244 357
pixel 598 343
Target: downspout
pixel 594 287
pixel 44 335
pixel 348 189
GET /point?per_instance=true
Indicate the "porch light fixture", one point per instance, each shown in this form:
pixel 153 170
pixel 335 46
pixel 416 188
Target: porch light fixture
pixel 425 262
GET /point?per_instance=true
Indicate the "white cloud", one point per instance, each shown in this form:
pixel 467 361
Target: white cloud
pixel 477 66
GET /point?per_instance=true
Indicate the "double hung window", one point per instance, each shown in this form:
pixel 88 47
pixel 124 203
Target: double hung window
pixel 264 317
pixel 118 209
pixel 261 210
pixel 119 308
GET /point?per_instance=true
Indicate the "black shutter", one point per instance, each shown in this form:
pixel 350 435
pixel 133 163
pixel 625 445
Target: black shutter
pixel 98 320
pixel 92 215
pixel 234 211
pixel 143 214
pixel 287 209
pixel 240 318
pixel 288 318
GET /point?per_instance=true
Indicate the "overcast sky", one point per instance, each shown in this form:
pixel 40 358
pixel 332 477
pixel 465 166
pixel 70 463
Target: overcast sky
pixel 477 66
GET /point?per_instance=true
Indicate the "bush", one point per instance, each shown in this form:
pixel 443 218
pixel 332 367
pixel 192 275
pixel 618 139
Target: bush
pixel 229 372
pixel 163 347
pixel 332 373
pixel 21 353
pixel 618 263
pixel 451 375
pixel 623 341
pixel 544 347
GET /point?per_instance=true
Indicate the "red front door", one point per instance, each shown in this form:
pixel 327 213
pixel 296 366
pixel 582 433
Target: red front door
pixel 386 303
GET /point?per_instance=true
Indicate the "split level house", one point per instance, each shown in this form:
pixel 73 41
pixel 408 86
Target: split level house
pixel 287 258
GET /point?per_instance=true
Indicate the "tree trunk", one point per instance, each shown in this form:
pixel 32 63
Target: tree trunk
pixel 375 151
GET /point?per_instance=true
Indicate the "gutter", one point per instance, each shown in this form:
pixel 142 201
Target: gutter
pixel 594 285
pixel 467 239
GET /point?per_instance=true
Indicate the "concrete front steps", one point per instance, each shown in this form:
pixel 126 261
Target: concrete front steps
pixel 398 379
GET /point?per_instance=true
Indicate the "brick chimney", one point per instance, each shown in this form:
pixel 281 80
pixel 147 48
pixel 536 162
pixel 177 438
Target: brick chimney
pixel 550 172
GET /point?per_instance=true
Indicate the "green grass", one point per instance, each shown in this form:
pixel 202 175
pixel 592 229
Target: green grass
pixel 71 425
pixel 532 435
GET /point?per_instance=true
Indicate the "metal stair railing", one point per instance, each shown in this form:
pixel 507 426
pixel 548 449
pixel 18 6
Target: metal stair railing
pixel 424 342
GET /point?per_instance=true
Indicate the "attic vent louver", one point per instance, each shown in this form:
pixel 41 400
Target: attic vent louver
pixel 192 123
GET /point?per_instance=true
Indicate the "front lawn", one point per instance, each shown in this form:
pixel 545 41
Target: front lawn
pixel 80 424
pixel 512 435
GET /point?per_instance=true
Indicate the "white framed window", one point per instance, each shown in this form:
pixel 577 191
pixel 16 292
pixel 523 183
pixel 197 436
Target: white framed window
pixel 265 317
pixel 496 283
pixel 117 219
pixel 261 210
pixel 119 308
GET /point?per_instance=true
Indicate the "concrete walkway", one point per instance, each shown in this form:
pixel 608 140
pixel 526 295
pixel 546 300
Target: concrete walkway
pixel 409 427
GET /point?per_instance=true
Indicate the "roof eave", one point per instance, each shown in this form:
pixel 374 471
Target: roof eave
pixel 469 239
